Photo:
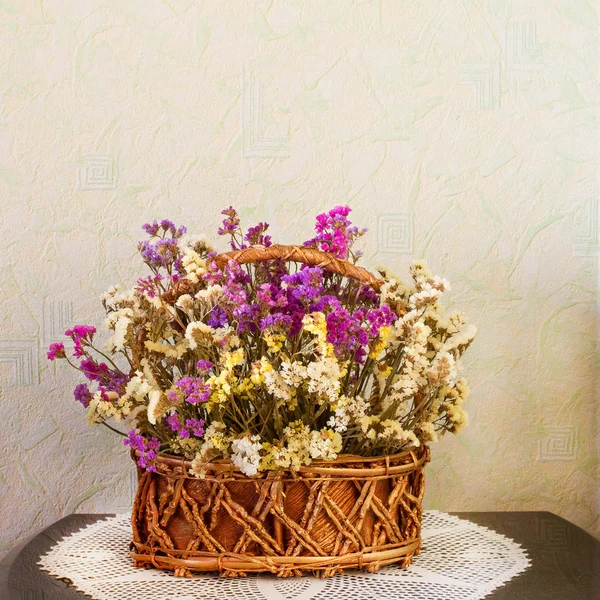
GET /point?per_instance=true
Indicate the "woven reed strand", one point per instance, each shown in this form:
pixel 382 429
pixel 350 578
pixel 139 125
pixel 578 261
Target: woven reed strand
pixel 286 523
pixel 301 254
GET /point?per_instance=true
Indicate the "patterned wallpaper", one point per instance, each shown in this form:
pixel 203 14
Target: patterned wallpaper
pixel 459 131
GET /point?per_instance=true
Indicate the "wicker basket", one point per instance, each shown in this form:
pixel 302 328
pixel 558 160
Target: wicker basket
pixel 354 512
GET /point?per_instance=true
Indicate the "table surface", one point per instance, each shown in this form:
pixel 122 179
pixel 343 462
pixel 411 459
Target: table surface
pixel 565 560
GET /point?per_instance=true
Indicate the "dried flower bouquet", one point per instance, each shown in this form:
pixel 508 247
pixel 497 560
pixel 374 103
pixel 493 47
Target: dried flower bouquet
pixel 272 365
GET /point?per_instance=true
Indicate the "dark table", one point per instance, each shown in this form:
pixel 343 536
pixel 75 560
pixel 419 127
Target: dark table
pixel 565 560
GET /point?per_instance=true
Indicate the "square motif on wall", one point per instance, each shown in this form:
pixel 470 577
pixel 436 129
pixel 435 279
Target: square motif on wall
pixel 395 233
pixel 58 317
pixel 587 228
pixel 558 443
pixel 98 173
pixel 22 356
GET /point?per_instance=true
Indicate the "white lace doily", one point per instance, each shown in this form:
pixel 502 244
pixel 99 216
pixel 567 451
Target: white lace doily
pixel 459 561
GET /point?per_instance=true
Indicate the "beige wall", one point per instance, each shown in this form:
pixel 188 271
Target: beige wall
pixel 458 131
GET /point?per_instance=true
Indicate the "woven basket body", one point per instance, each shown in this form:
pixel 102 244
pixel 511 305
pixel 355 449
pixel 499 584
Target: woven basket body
pixel 349 513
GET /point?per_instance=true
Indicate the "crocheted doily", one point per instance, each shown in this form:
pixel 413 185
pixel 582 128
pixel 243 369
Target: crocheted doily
pixel 459 561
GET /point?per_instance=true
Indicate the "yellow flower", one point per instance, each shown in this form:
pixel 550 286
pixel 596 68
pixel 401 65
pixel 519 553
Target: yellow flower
pixel 243 386
pixel 232 359
pixel 274 341
pixel 385 370
pixel 380 344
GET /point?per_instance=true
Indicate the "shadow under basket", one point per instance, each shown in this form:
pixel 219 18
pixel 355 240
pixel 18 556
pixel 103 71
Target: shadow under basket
pixel 351 513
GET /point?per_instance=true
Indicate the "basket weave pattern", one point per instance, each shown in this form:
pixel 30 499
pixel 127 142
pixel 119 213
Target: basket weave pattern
pixel 349 513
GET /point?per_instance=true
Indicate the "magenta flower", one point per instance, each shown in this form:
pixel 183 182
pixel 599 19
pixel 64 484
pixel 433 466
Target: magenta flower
pixel 56 350
pixel 173 421
pixel 336 234
pixel 196 425
pixel 81 335
pixel 149 286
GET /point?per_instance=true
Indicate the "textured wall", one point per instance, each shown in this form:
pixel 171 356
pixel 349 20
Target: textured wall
pixel 459 131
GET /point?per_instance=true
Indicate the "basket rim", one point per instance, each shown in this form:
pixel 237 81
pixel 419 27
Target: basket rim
pixel 213 561
pixel 419 456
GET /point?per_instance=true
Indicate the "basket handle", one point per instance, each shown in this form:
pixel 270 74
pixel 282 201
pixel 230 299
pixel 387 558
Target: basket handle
pixel 300 254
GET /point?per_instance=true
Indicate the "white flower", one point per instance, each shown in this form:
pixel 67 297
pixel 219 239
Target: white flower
pixel 154 405
pixel 211 293
pixel 277 386
pixel 293 373
pixel 193 264
pixel 119 322
pixel 246 454
pixel 138 387
pixel 323 378
pixel 339 420
pixel 428 432
pixel 185 302
pixel 324 444
pixel 393 431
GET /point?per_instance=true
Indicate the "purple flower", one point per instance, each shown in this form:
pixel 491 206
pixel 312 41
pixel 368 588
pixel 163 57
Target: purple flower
pixel 231 224
pixel 378 318
pixel 147 449
pixel 276 319
pixel 305 285
pixel 82 394
pixel 217 318
pixel 194 390
pixel 56 350
pixel 196 425
pixel 159 254
pixel 152 229
pixel 256 235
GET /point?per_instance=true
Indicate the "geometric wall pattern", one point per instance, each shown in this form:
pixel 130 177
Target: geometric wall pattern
pixel 256 144
pixel 395 233
pixel 22 356
pixel 98 172
pixel 58 317
pixel 558 443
